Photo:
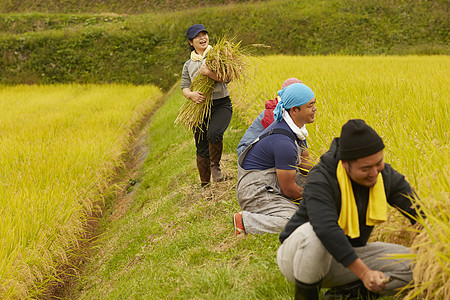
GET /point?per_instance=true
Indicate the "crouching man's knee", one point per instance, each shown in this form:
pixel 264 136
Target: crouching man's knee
pixel 302 256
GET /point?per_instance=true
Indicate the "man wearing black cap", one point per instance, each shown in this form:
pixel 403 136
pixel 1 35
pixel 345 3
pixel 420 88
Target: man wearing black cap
pixel 346 195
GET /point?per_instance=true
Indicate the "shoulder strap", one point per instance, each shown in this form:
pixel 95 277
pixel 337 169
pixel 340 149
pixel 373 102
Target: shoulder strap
pixel 278 131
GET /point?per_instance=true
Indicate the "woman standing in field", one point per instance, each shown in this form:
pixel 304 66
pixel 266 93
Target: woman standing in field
pixel 209 136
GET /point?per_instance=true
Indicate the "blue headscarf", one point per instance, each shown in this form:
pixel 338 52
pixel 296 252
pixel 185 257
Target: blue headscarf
pixel 296 94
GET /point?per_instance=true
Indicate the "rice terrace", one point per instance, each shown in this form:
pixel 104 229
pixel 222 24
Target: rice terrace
pixel 100 195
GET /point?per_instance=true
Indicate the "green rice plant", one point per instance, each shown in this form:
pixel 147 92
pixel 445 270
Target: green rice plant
pixel 230 63
pixel 60 145
pixel 406 100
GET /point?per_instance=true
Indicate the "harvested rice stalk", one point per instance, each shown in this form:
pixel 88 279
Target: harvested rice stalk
pixel 431 255
pixel 228 61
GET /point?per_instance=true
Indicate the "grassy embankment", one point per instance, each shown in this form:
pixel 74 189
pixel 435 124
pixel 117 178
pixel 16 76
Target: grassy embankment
pixel 150 48
pixel 176 241
pixel 62 146
pixel 112 6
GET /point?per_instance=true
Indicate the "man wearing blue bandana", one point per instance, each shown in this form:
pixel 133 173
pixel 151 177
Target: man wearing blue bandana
pixel 269 180
pixel 263 120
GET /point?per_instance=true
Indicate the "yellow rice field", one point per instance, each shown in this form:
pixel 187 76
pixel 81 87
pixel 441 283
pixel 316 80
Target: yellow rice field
pixel 58 147
pixel 406 100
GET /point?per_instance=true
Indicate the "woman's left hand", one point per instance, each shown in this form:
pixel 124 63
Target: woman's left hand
pixel 207 72
pixel 204 70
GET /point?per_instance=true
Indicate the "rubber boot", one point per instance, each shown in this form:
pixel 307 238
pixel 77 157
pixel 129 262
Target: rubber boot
pixel 215 154
pixel 204 169
pixel 305 291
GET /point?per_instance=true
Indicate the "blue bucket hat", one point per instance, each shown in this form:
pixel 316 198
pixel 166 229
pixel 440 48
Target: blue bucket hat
pixel 193 30
pixel 296 94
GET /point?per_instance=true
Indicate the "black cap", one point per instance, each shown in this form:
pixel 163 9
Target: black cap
pixel 358 140
pixel 194 30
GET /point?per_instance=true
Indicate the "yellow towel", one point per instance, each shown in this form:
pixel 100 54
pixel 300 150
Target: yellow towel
pixel 198 57
pixel 376 208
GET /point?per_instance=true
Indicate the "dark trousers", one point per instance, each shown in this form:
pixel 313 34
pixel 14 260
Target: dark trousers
pixel 213 128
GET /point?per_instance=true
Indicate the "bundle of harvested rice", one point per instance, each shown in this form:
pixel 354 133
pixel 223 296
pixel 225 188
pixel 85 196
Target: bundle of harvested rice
pixel 229 62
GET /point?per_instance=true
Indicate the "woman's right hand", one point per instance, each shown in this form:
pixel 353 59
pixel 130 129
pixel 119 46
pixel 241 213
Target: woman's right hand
pixel 197 97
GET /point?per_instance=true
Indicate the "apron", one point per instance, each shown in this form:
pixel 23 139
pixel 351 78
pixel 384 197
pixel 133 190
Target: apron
pixel 258 191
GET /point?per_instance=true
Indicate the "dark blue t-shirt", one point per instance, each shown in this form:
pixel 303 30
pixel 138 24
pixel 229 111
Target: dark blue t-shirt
pixel 274 150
